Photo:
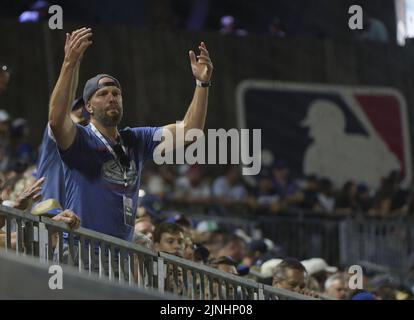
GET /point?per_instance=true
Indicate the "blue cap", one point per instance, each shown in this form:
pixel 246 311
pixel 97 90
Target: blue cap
pixel 92 85
pixel 363 295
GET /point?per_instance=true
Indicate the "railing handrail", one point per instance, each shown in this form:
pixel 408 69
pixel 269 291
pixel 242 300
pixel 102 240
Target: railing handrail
pixel 208 270
pixel 97 236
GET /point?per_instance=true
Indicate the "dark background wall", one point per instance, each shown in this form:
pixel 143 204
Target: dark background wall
pixel 153 67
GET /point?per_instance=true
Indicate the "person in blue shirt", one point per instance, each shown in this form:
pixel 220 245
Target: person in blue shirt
pixel 105 163
pixel 49 163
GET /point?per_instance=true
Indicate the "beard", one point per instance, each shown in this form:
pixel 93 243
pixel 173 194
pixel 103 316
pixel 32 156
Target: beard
pixel 108 118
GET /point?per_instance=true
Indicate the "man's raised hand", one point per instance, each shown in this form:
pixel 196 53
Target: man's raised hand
pixel 201 65
pixel 76 44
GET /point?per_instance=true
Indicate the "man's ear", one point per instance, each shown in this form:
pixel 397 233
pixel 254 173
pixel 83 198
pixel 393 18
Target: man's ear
pixel 274 281
pixel 88 108
pixel 156 246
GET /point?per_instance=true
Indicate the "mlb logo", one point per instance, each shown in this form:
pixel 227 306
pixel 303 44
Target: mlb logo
pixel 343 133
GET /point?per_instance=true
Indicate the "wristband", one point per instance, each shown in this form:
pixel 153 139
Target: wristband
pixel 203 84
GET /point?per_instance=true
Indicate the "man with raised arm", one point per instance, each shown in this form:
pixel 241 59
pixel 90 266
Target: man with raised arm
pixel 105 163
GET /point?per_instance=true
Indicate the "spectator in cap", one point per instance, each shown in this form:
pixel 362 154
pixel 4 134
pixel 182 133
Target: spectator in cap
pixel 364 199
pixel 310 193
pixel 225 264
pixel 233 247
pixel 265 194
pixel 255 250
pixel 284 185
pixel 326 200
pixel 319 269
pixel 192 188
pixel 150 208
pixel 182 220
pixel 228 188
pixel 103 162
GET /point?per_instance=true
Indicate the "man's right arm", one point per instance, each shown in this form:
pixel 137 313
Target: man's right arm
pixel 63 128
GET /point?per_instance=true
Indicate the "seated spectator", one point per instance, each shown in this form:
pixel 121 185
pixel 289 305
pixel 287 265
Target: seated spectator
pixel 234 247
pixel 150 208
pixel 144 227
pixel 326 200
pixel 169 238
pixel 265 194
pixel 188 251
pixel 192 187
pixel 347 201
pixel 364 200
pixel 225 264
pixel 20 135
pixel 390 198
pixel 310 193
pixel 201 254
pixel 228 188
pixel 210 236
pixel 161 182
pixel 256 249
pixel 183 221
pixel 284 185
pixel 319 269
pixel 336 287
pixel 290 274
pixel 142 240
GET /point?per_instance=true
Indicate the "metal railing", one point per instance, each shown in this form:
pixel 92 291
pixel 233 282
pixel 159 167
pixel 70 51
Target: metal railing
pixel 126 263
pixel 338 238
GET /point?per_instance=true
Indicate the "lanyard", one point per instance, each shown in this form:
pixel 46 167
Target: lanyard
pixel 108 146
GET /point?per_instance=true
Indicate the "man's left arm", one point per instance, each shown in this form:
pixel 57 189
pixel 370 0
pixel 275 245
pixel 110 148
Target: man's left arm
pixel 195 117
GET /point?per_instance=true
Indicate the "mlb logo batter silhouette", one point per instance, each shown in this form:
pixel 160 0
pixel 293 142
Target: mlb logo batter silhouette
pixel 344 133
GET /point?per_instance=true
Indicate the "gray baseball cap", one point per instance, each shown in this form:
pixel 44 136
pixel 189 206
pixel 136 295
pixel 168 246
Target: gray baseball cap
pixel 92 85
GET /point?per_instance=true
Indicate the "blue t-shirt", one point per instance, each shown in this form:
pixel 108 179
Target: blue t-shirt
pixel 95 184
pixel 50 166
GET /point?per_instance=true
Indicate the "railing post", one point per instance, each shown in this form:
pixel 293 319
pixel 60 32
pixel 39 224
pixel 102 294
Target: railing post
pixel 261 292
pixel 160 274
pixel 43 242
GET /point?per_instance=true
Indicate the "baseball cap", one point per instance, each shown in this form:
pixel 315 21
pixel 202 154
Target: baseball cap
pixel 49 207
pixel 268 268
pixel 207 226
pixel 92 85
pixel 152 204
pixel 363 295
pixel 316 265
pixel 181 220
